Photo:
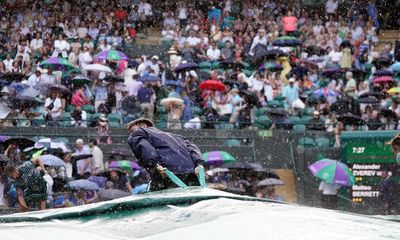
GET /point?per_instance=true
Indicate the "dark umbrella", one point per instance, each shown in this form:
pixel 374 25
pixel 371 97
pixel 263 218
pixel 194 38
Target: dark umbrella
pixel 315 50
pixel 388 113
pixel 106 173
pixel 346 44
pixel 81 80
pixel 45 88
pixel 110 194
pixel 332 73
pixel 286 42
pixel 369 100
pixel 308 63
pixel 149 78
pixel 4 158
pixel 173 83
pixel 299 71
pixel 371 94
pixel 381 73
pixel 80 157
pixel 382 62
pixel 359 73
pixel 21 142
pixel 350 119
pixel 252 98
pixel 13 77
pixel 119 151
pixel 183 67
pixel 22 101
pixel 237 166
pixel 130 105
pixel 231 64
pixel 264 172
pixel 114 79
pixel 261 52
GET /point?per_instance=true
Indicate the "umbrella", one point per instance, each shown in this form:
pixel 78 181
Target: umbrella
pixel 388 113
pixel 173 83
pixel 261 52
pixel 97 68
pixel 230 64
pixel 271 66
pixel 125 164
pixel 369 100
pixel 81 80
pixel 382 62
pixel 214 171
pixel 381 73
pixel 218 157
pixel 114 79
pixel 359 73
pixel 130 105
pixel 18 87
pixel 308 63
pixel 30 92
pixel 21 142
pixel 45 88
pixel 332 172
pixel 106 173
pixel 299 71
pixel 183 67
pixel 4 110
pixel 252 98
pixel 286 42
pixel 82 184
pixel 110 194
pixel 114 55
pixel 394 90
pixel 269 182
pixel 4 158
pixel 54 144
pixel 324 92
pixel 57 64
pixel 333 73
pixel 371 94
pixel 350 119
pixel 120 151
pixel 80 157
pixel 171 101
pixel 51 160
pixel 384 79
pixel 21 101
pixel 13 77
pixel 238 166
pixel 315 50
pixel 395 67
pixel 212 85
pixel 149 78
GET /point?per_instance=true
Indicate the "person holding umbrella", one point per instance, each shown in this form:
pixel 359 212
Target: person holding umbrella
pixel 29 182
pixel 162 153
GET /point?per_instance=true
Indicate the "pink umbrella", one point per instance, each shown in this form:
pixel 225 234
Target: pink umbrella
pixel 384 79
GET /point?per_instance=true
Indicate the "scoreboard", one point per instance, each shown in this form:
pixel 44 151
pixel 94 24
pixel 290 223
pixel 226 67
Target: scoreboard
pixel 366 153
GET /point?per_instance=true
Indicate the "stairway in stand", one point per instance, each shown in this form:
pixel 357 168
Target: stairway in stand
pixel 385 37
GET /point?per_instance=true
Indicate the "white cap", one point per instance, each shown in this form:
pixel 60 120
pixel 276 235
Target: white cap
pixel 292 80
pixel 155 57
pixel 79 141
pixel 316 113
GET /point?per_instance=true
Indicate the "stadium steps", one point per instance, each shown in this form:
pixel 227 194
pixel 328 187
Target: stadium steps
pixel 385 37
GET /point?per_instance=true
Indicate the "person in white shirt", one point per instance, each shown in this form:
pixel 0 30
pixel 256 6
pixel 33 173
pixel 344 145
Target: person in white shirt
pixel 335 55
pixel 97 162
pixel 154 65
pixel 257 84
pixel 83 166
pixel 331 6
pixel 85 57
pixel 260 38
pixel 145 8
pixel 48 78
pixel 37 43
pixel 61 46
pixel 329 192
pixel 8 62
pixel 213 53
pixel 53 108
pixel 193 40
pixel 82 30
pixel 183 15
pixel 34 79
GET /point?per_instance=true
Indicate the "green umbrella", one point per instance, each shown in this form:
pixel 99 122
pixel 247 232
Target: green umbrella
pixel 57 64
pixel 218 157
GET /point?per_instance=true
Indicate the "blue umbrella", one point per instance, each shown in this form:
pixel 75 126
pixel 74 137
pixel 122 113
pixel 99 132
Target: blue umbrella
pixel 149 78
pixel 19 87
pixel 186 67
pixel 381 73
pixel 51 160
pixel 82 184
pixel 395 67
pixel 173 83
pixel 29 92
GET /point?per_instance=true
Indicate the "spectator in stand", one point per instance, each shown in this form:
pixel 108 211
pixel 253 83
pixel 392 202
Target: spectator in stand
pixel 213 53
pixel 146 99
pixel 53 109
pixel 289 23
pixel 291 93
pixel 83 166
pixel 34 79
pixel 97 162
pixel 331 7
pixel 316 123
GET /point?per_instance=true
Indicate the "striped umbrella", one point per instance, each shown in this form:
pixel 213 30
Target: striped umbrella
pixel 57 64
pixel 218 157
pixel 54 144
pixel 332 172
pixel 111 55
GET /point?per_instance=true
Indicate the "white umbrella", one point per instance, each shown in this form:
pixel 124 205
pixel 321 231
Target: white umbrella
pixel 4 111
pixel 97 68
pixel 171 100
pixel 217 170
pixel 270 182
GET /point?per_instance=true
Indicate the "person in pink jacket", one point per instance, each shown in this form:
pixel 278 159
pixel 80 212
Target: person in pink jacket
pixel 289 23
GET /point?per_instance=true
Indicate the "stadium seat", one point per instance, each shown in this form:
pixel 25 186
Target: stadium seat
pixel 114 124
pixel 306 142
pixel 69 108
pixel 299 128
pixel 263 122
pixel 88 108
pixel 295 120
pixel 114 117
pixel 276 104
pixel 323 142
pixel 305 119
